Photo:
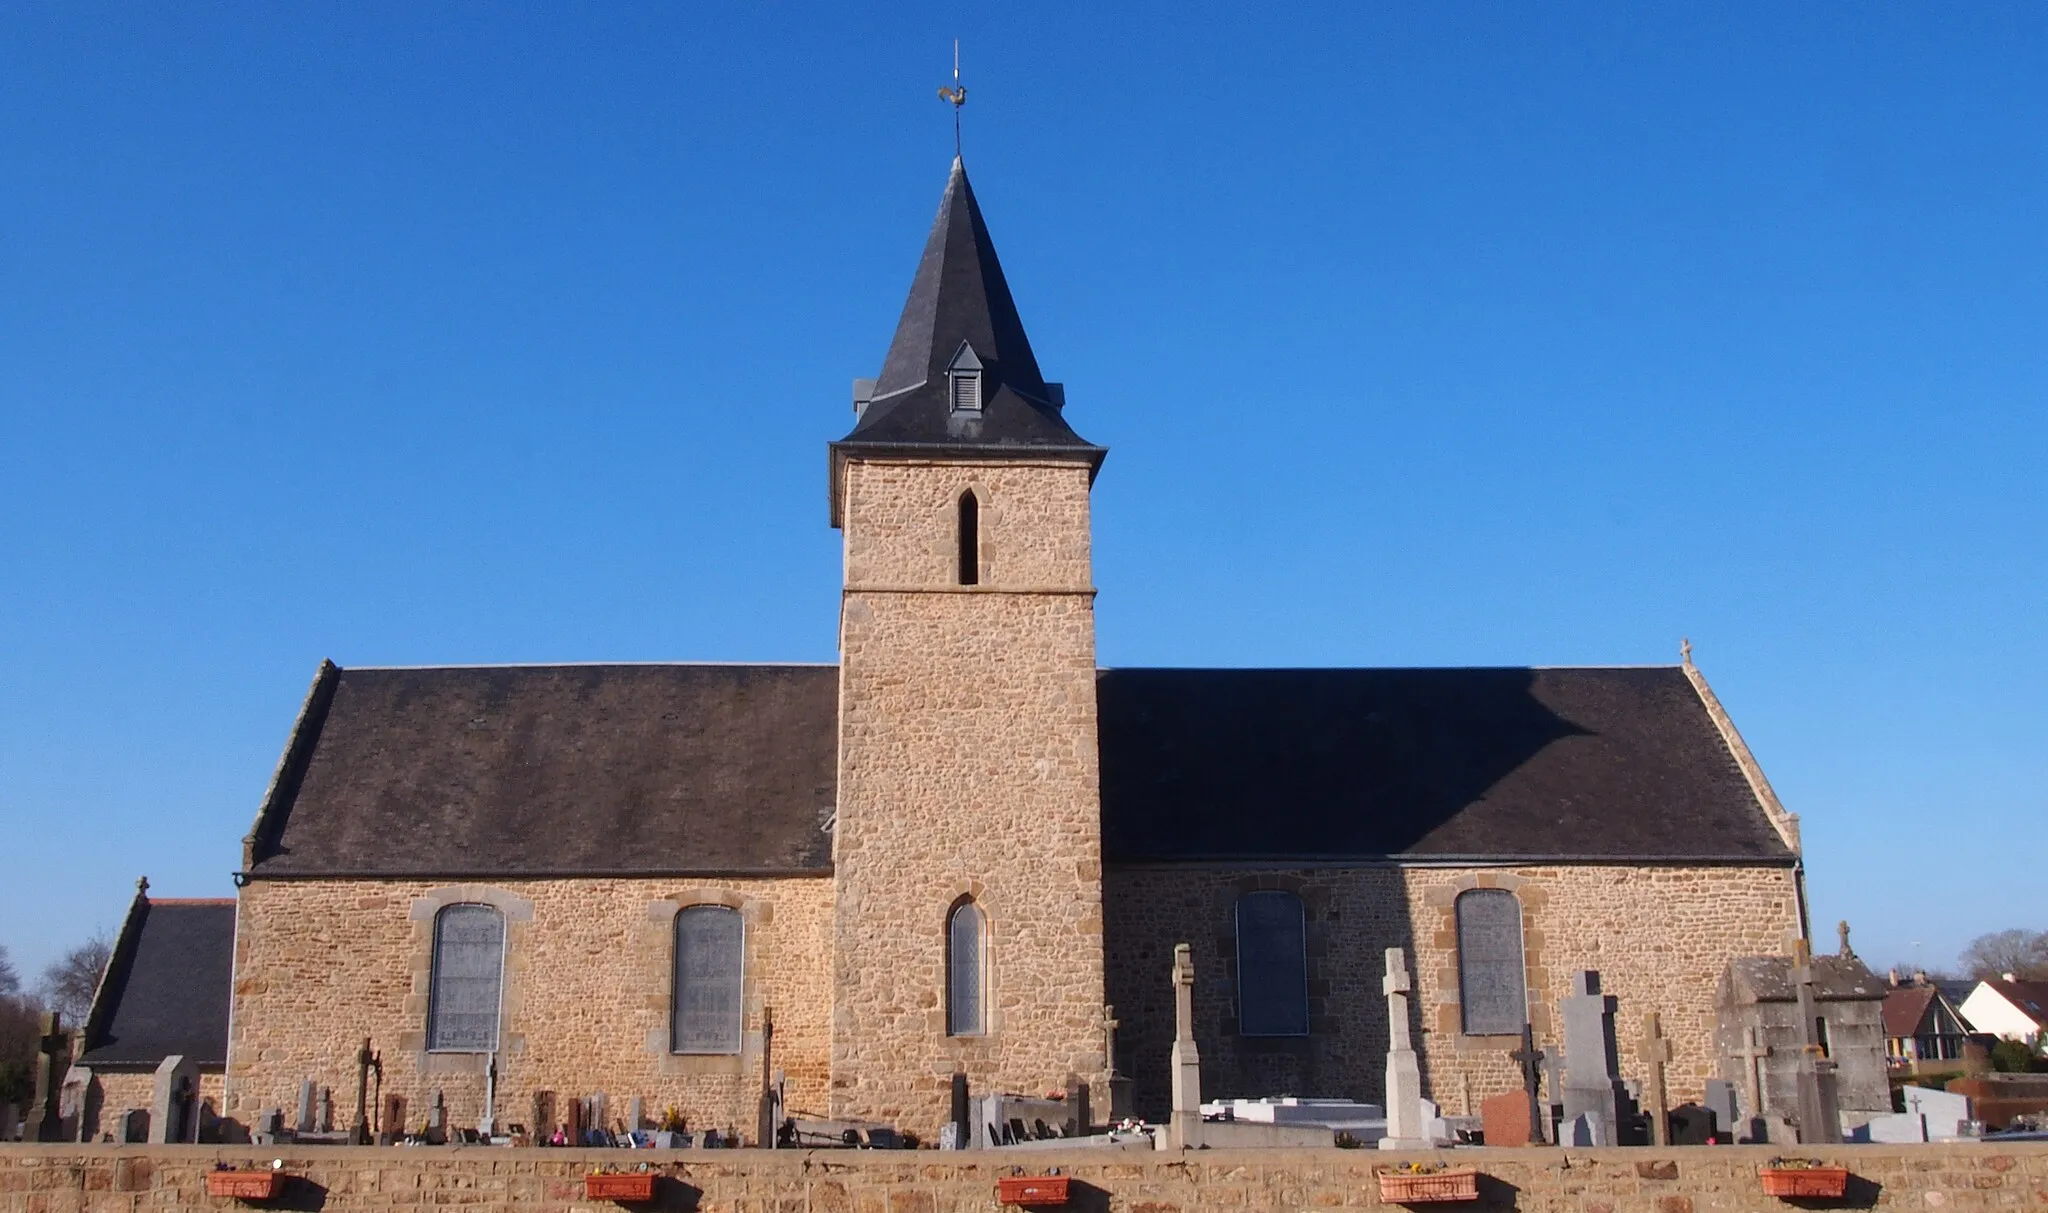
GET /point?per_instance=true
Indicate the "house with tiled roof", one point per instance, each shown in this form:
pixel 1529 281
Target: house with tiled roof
pixel 2008 1007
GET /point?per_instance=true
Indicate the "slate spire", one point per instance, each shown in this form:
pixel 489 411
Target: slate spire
pixel 960 316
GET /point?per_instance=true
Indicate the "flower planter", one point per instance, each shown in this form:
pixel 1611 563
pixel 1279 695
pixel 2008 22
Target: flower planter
pixel 1823 1183
pixel 1429 1187
pixel 624 1186
pixel 245 1185
pixel 1031 1190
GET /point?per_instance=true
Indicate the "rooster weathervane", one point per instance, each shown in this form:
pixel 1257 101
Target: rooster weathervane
pixel 956 94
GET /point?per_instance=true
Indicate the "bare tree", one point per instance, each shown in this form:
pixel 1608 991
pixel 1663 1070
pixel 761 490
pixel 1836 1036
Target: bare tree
pixel 68 984
pixel 18 1032
pixel 2020 952
pixel 10 981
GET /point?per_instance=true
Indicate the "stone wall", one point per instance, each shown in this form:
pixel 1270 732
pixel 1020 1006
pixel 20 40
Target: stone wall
pixel 120 1091
pixel 1658 935
pixel 967 770
pixel 1699 1179
pixel 321 964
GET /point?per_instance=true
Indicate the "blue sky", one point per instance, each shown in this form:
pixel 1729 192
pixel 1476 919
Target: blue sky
pixel 1447 334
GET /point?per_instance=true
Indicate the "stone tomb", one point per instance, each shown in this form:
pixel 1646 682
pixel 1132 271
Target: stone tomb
pixel 1762 1041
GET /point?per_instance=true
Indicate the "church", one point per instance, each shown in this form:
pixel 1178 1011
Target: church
pixel 954 850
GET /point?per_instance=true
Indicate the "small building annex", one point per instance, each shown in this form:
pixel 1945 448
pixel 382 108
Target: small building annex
pixel 956 847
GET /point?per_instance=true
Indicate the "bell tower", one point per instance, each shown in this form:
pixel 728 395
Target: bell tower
pixel 968 846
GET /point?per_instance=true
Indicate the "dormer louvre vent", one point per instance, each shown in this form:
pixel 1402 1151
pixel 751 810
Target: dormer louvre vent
pixel 963 381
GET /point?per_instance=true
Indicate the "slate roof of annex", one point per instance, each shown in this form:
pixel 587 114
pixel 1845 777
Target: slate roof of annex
pixel 166 988
pixel 706 769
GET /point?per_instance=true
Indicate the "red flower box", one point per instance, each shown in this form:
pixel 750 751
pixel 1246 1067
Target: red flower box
pixel 1031 1190
pixel 630 1185
pixel 245 1185
pixel 1429 1187
pixel 1824 1183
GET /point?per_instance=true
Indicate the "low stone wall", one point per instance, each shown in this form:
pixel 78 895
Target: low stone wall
pixel 1699 1179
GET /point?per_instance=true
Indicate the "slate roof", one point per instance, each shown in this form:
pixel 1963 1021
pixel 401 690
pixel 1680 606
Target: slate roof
pixel 167 987
pixel 959 295
pixel 704 769
pixel 1570 764
pixel 557 770
pixel 1835 979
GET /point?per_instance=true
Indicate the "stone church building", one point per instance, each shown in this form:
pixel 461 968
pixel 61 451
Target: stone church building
pixel 952 849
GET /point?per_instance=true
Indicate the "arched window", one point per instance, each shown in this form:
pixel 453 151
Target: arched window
pixel 966 979
pixel 1492 987
pixel 1272 965
pixel 469 977
pixel 709 981
pixel 970 539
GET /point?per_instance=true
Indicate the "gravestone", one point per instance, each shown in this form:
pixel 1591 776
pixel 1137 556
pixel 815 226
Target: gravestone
pixel 1184 1131
pixel 1691 1125
pixel 544 1123
pixel 1820 1116
pixel 1592 1077
pixel 76 1113
pixel 327 1109
pixel 53 1056
pixel 134 1126
pixel 437 1120
pixel 1553 1088
pixel 1504 1118
pixel 1119 1086
pixel 1767 1020
pixel 309 1095
pixel 1078 1119
pixel 393 1129
pixel 1721 1102
pixel 1655 1050
pixel 1930 1115
pixel 1581 1130
pixel 10 1122
pixel 1530 1058
pixel 1404 1072
pixel 174 1102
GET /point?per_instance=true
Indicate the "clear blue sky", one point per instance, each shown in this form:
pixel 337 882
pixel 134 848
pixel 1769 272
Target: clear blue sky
pixel 1421 334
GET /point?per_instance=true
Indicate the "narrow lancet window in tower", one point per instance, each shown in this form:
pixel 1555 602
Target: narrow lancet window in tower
pixel 970 539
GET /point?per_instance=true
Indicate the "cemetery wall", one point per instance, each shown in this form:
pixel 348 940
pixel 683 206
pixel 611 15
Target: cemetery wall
pixel 1957 1178
pixel 1658 935
pixel 967 770
pixel 322 964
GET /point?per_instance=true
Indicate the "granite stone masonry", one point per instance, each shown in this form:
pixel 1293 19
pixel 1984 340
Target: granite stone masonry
pixel 1698 1179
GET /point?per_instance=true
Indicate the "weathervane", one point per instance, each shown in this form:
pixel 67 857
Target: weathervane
pixel 957 95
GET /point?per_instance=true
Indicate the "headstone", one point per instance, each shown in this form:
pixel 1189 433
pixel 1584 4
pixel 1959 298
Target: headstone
pixel 1077 1123
pixel 10 1122
pixel 1119 1086
pixel 1186 1061
pixel 309 1095
pixel 77 1117
pixel 1404 1072
pixel 1592 1076
pixel 1655 1050
pixel 134 1125
pixel 437 1120
pixel 1691 1125
pixel 636 1113
pixel 1553 1089
pixel 959 1121
pixel 578 1112
pixel 487 1125
pixel 1530 1058
pixel 393 1124
pixel 544 1122
pixel 1721 1102
pixel 1583 1130
pixel 1947 1113
pixel 1820 1117
pixel 174 1100
pixel 53 1055
pixel 1505 1119
pixel 366 1061
pixel 327 1109
pixel 599 1121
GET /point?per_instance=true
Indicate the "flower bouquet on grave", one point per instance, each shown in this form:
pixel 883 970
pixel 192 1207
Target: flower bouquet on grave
pixel 1803 1177
pixel 1427 1182
pixel 607 1182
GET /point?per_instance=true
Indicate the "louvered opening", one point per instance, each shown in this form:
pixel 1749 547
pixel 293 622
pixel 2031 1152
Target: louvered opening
pixel 967 392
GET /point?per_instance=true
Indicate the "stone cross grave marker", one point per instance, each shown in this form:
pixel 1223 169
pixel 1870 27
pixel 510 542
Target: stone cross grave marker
pixel 308 1094
pixel 53 1054
pixel 1119 1086
pixel 1404 1071
pixel 173 1115
pixel 1186 1059
pixel 1820 1123
pixel 1655 1049
pixel 1753 1053
pixel 366 1061
pixel 1592 1081
pixel 1530 1058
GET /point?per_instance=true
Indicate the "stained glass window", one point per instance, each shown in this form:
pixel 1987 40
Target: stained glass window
pixel 710 980
pixel 1272 965
pixel 1491 983
pixel 964 972
pixel 469 973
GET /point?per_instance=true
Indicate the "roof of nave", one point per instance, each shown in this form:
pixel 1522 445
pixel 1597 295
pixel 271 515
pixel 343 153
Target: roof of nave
pixel 708 769
pixel 556 770
pixel 165 990
pixel 1572 764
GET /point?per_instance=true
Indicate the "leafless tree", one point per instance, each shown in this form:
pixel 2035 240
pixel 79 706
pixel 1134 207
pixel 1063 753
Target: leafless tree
pixel 68 984
pixel 2020 952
